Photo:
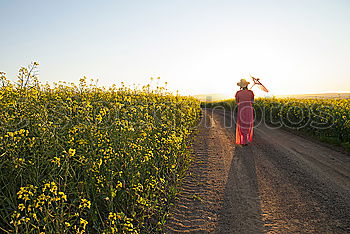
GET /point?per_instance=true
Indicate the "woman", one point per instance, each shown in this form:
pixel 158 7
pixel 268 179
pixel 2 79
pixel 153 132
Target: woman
pixel 245 115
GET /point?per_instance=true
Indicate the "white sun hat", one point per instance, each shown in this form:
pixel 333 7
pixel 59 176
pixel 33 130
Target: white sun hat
pixel 243 83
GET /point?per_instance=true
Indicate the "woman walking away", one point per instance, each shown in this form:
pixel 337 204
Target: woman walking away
pixel 245 115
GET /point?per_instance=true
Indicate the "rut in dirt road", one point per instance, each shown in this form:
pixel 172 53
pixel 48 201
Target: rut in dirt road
pixel 197 206
pixel 279 183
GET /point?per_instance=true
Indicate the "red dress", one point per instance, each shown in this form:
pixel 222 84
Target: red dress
pixel 245 116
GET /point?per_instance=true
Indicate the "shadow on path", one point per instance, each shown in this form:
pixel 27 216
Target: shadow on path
pixel 240 212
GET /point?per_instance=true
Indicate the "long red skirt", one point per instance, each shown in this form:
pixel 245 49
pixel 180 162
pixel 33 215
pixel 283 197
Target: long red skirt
pixel 245 123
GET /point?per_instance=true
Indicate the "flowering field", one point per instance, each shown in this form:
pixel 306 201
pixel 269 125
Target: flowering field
pixel 78 158
pixel 326 119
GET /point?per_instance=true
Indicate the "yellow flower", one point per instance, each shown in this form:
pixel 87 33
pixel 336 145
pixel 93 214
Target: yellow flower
pixel 21 206
pixel 57 161
pixel 85 203
pixel 119 185
pixel 63 196
pixel 71 152
pixel 83 222
pixel 112 216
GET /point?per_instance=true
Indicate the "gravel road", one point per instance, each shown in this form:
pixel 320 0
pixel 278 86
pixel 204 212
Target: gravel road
pixel 280 183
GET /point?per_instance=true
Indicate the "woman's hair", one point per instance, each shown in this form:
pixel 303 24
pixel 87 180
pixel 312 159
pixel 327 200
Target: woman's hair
pixel 244 88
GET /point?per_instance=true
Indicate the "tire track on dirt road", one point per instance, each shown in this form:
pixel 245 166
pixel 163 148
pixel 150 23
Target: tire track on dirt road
pixel 197 206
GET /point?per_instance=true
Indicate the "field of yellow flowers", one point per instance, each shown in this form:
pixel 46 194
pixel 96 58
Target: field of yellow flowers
pixel 79 158
pixel 326 119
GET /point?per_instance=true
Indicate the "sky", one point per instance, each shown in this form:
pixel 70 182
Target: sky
pixel 197 46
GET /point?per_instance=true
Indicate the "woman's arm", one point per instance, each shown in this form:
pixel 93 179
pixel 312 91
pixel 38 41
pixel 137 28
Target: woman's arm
pixel 237 98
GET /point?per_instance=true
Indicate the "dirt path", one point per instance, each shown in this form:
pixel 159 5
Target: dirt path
pixel 281 183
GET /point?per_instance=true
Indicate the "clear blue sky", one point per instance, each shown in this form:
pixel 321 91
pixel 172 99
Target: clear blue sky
pixel 197 46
